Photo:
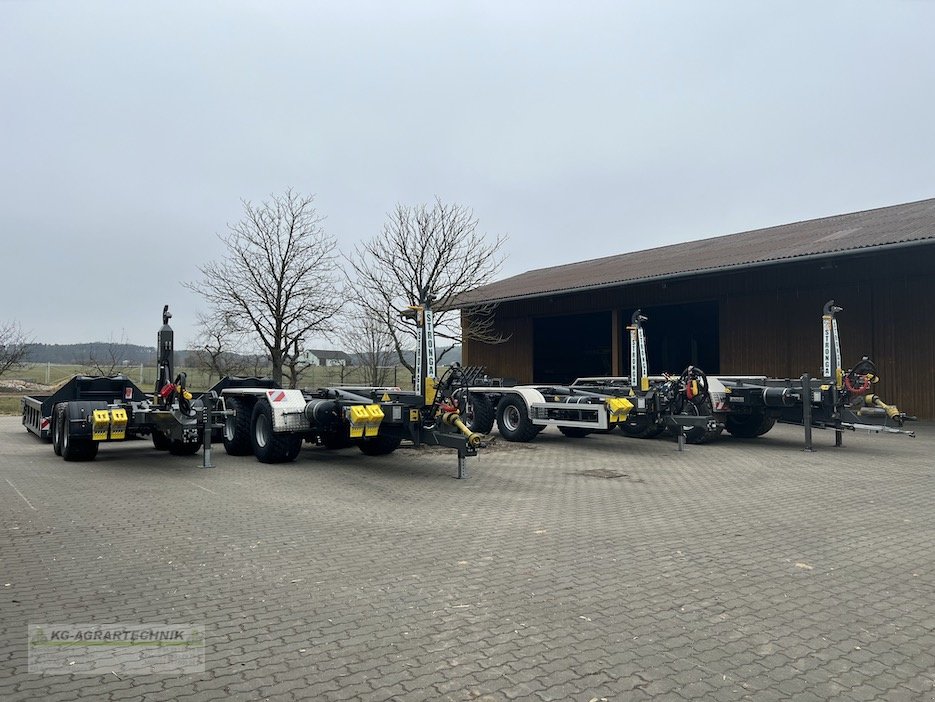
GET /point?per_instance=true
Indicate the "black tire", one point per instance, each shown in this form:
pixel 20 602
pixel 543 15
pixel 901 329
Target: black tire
pixel 513 421
pixel 768 423
pixel 749 426
pixel 184 448
pixel 574 432
pixel 640 426
pixel 57 423
pixel 269 447
pixel 379 445
pixel 161 441
pixel 293 449
pixel 334 442
pixel 477 413
pixel 236 434
pixel 74 449
pixel 697 435
pixel 66 443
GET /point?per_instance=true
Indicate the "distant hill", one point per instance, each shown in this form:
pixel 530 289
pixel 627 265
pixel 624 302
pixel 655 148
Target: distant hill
pixel 134 355
pixel 80 353
pixel 452 356
pixel 77 354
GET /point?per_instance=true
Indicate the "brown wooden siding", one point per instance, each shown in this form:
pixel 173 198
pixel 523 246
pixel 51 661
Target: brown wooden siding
pixel 511 359
pixel 770 319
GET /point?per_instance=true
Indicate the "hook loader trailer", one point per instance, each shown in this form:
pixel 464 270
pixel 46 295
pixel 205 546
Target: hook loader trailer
pixel 273 423
pixel 749 406
pixel 254 415
pixel 90 410
pixel 694 406
pixel 523 411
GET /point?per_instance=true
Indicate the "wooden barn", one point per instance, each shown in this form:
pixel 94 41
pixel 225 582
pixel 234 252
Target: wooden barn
pixel 747 303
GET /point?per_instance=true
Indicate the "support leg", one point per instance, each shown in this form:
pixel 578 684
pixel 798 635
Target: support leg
pixel 807 411
pixel 462 466
pixel 838 438
pixel 208 419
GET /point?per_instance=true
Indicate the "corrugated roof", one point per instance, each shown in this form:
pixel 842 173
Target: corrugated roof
pixel 905 224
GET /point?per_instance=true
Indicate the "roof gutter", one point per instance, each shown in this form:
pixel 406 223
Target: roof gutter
pixel 698 272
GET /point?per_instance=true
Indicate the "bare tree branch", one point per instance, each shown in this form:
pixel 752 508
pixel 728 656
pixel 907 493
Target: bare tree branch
pixel 14 346
pixel 279 279
pixel 218 350
pixel 427 252
pixel 106 358
pixel 367 338
pixel 294 363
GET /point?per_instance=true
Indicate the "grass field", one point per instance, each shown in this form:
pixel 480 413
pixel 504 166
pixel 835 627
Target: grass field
pixel 56 374
pixel 9 404
pixel 145 377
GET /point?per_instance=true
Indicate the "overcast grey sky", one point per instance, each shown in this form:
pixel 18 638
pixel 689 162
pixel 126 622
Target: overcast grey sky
pixel 130 131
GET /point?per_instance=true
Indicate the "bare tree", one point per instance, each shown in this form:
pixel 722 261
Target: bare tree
pixel 279 277
pixel 259 365
pixel 105 358
pixel 14 346
pixel 428 253
pixel 213 350
pixel 294 363
pixel 367 339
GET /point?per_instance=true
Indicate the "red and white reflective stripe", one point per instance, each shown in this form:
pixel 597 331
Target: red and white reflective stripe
pixel 277 396
pixel 44 424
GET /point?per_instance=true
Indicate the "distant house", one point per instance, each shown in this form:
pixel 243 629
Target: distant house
pixel 327 358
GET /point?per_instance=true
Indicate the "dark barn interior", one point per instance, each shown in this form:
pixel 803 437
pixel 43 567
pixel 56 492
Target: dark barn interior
pixel 576 343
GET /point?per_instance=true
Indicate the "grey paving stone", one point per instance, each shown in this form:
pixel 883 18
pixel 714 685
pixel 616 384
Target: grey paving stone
pixel 737 570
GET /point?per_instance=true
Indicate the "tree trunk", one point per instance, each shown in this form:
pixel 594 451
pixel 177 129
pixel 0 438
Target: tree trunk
pixel 275 358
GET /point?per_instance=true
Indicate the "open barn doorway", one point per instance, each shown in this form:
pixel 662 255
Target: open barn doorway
pixel 681 335
pixel 570 346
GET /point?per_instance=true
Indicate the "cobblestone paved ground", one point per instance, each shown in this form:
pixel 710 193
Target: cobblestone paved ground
pixel 601 568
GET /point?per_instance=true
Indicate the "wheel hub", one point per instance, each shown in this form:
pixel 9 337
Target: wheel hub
pixel 262 430
pixel 511 418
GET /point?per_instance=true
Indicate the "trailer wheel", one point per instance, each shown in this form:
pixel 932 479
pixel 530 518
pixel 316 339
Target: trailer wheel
pixel 749 426
pixel 184 448
pixel 574 432
pixel 237 429
pixel 640 426
pixel 513 421
pixel 293 449
pixel 477 412
pixel 379 445
pixel 74 449
pixel 57 421
pixel 333 442
pixel 161 441
pixel 268 446
pixel 768 423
